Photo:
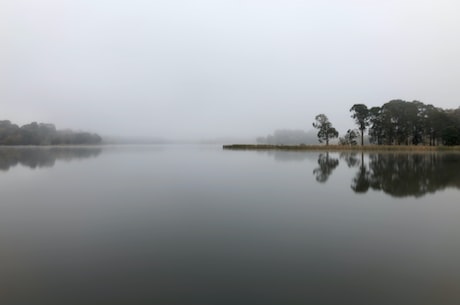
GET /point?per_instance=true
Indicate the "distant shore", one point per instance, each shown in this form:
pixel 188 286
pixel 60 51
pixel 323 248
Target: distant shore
pixel 341 147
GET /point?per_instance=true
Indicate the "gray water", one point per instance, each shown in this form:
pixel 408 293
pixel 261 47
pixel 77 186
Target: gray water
pixel 201 225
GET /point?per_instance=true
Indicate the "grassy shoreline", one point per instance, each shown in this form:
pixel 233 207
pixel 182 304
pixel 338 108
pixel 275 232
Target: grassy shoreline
pixel 341 147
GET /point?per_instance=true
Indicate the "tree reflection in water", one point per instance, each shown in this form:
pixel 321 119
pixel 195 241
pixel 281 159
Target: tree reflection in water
pixel 326 165
pixel 37 157
pixel 404 174
pixel 360 183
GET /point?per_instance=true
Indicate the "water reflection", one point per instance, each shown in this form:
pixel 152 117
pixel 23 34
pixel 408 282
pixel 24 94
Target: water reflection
pixel 288 156
pixel 402 175
pixel 396 174
pixel 37 157
pixel 327 164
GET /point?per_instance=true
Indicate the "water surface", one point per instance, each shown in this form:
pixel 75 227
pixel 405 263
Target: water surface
pixel 201 225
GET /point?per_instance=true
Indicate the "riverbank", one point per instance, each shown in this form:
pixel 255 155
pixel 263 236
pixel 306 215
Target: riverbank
pixel 341 147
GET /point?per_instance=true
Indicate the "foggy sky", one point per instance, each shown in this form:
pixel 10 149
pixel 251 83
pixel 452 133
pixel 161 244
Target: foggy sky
pixel 193 69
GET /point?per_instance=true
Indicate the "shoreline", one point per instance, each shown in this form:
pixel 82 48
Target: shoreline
pixel 340 147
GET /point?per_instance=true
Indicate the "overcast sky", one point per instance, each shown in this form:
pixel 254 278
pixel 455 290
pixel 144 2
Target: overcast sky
pixel 193 69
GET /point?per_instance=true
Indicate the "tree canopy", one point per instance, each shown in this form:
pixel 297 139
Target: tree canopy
pixel 400 122
pixel 361 116
pixel 350 137
pixel 325 129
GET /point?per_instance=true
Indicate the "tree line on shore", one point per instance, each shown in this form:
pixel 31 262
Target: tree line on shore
pixel 43 134
pixel 397 122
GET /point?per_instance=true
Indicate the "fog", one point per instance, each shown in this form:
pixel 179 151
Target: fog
pixel 204 69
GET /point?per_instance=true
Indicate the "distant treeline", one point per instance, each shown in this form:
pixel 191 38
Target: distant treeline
pixel 288 137
pixel 43 134
pixel 401 122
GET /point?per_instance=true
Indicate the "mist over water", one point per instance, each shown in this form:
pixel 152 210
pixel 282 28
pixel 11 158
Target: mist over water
pixel 205 69
pixel 195 224
pixel 201 225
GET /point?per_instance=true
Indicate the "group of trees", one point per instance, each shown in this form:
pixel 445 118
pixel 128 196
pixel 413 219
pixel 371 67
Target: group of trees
pixel 42 134
pixel 397 122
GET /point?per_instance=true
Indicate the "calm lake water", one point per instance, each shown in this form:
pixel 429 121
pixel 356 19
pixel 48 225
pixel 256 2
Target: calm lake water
pixel 201 225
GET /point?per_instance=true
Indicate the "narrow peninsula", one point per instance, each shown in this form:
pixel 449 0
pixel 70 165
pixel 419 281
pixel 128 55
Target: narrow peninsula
pixel 396 125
